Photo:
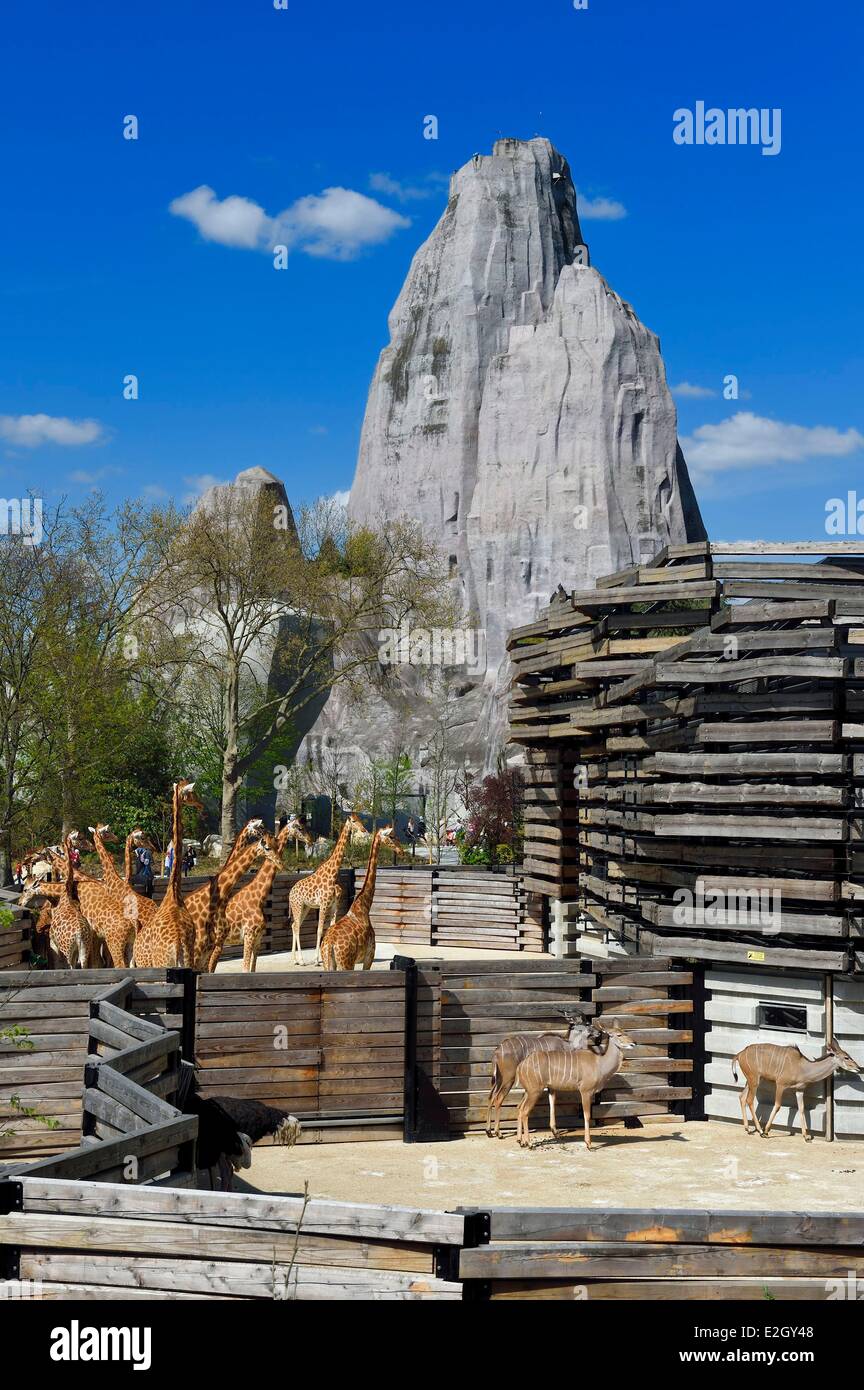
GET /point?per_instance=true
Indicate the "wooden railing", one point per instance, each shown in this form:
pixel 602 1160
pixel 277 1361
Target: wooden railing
pixel 130 1130
pixel 71 1240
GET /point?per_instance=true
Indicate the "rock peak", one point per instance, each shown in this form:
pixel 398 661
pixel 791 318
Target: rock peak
pixel 523 409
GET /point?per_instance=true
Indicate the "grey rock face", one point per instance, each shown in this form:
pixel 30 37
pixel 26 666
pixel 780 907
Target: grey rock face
pixel 521 414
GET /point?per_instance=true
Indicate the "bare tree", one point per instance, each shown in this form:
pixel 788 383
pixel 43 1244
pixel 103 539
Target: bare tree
pixel 277 614
pixel 441 760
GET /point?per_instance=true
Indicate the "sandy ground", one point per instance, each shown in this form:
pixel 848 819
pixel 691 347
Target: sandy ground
pixel 384 953
pixel 710 1166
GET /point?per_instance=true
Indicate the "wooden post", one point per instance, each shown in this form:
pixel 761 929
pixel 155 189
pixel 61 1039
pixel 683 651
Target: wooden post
pixel 828 998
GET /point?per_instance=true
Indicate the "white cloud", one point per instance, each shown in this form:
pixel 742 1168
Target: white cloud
pixel 340 498
pixel 336 224
pixel 234 221
pixel 746 440
pixel 29 431
pixel 406 192
pixel 155 492
pixel 318 429
pixel 198 483
pixel 599 209
pixel 91 477
pixel 688 392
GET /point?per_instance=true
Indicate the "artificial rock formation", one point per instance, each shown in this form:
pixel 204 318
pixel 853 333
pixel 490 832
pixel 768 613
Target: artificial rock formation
pixel 521 414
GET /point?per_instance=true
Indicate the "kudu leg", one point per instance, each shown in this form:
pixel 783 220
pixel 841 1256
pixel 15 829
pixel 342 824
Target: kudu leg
pixel 552 1125
pixel 528 1102
pixel 804 1130
pixel 778 1101
pixel 586 1098
pixel 752 1096
pixel 743 1099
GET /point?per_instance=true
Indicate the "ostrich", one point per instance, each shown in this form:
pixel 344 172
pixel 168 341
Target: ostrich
pixel 228 1128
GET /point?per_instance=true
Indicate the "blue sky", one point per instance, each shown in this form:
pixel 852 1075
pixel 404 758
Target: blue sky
pixel 742 263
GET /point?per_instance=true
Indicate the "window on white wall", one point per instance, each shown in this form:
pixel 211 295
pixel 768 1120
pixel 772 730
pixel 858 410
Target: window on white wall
pixel 789 1017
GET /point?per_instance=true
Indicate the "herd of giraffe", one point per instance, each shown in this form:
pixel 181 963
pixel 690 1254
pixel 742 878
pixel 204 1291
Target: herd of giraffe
pixel 90 921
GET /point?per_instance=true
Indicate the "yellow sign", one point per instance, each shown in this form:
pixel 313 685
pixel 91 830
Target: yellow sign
pixel 755 955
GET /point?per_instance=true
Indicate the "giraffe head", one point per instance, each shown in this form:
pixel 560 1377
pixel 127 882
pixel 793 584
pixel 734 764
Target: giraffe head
pixel 187 797
pixel 356 828
pixel 254 829
pixel 140 839
pixel 294 829
pixel 269 849
pixel 387 836
pixel 104 832
pixel 79 841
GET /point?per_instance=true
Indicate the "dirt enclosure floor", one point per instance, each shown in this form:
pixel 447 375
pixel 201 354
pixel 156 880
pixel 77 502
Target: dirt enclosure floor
pixel 675 1165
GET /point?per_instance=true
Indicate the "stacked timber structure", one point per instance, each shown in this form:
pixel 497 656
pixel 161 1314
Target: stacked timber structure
pixel 694 736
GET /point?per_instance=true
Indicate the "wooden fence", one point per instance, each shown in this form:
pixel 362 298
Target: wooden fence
pixel 481 1001
pixel 46 1074
pixel 418 906
pixel 578 1253
pixel 82 1240
pixel 328 1047
pixel 66 1239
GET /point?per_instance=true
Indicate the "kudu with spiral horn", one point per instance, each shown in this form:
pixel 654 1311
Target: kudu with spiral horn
pixel 512 1051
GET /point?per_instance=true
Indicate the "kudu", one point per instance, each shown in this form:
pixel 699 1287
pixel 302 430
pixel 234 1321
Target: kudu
pixel 566 1069
pixel 790 1070
pixel 515 1048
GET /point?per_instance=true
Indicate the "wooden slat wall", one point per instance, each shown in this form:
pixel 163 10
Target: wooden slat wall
pixel 100 1241
pixel 714 714
pixel 328 1047
pixel 456 907
pixel 54 1008
pixel 482 1001
pixel 627 1255
pixel 419 906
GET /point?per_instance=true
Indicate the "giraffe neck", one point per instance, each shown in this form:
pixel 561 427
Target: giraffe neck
pixel 177 838
pixel 367 892
pixel 128 860
pixel 263 880
pixel 109 868
pixel 69 883
pixel 333 863
pixel 235 867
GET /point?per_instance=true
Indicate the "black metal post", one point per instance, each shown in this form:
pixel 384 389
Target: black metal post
pixel 11 1199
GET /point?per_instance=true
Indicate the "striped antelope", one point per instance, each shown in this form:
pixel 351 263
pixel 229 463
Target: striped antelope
pixel 790 1070
pixel 515 1048
pixel 566 1069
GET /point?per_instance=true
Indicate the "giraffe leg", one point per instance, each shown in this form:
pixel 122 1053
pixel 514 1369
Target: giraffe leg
pixel 369 952
pixel 323 924
pixel 297 918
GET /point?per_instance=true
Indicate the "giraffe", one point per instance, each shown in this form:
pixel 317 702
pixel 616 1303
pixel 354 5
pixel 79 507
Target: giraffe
pixel 321 889
pixel 168 939
pixel 70 934
pixel 206 904
pixel 352 938
pixel 137 910
pixel 113 913
pixel 245 911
